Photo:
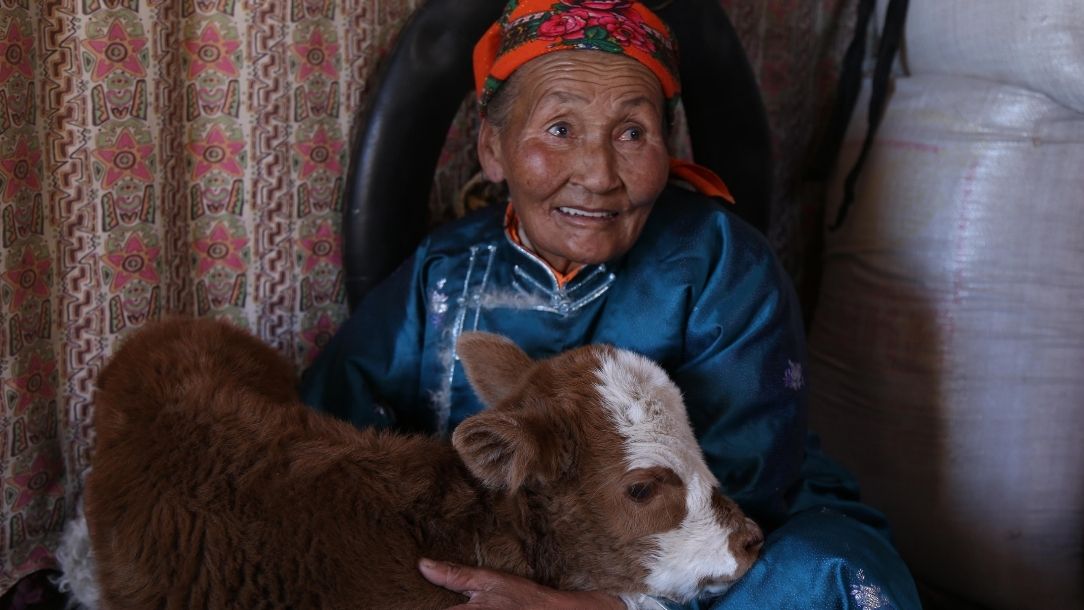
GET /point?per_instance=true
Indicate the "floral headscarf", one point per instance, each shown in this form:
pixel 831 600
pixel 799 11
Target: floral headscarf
pixel 531 28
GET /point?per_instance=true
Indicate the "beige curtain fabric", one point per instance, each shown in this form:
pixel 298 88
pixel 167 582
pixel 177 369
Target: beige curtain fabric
pixel 187 156
pixel 158 157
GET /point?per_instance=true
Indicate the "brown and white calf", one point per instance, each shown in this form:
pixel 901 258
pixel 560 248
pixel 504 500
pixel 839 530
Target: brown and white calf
pixel 212 486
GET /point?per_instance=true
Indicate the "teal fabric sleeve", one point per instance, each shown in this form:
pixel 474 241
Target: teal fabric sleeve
pixel 702 294
pixel 368 374
pixel 742 375
pixel 745 388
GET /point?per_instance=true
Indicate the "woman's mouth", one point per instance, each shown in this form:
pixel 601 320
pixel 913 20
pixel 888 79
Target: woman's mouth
pixel 581 213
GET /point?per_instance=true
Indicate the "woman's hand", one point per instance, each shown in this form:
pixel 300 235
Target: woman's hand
pixel 499 591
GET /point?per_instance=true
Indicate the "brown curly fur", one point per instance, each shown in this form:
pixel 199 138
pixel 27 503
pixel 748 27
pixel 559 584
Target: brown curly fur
pixel 212 487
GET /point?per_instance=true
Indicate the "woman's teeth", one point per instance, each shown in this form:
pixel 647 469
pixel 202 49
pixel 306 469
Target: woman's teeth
pixel 585 213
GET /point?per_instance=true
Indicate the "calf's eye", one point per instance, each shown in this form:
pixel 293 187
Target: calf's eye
pixel 641 492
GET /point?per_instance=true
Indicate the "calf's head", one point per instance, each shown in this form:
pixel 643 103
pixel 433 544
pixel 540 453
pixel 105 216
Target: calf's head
pixel 599 441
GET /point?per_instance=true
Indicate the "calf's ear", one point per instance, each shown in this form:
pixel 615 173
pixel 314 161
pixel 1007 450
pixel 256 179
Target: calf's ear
pixel 495 366
pixel 496 449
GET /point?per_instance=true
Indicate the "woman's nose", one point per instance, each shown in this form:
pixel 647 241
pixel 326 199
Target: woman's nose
pixel 595 168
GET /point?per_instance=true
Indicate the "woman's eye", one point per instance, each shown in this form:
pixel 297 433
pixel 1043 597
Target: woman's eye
pixel 559 130
pixel 632 134
pixel 641 492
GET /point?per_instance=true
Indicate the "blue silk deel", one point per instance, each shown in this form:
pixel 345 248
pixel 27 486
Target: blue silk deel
pixel 700 293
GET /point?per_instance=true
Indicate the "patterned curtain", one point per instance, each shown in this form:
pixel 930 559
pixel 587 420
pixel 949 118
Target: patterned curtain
pixel 160 156
pixel 795 47
pixel 187 156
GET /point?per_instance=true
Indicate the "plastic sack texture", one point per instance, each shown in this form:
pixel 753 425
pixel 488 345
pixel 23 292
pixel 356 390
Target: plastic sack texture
pixel 1035 44
pixel 948 347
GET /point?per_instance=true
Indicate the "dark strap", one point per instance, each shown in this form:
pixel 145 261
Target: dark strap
pixel 850 84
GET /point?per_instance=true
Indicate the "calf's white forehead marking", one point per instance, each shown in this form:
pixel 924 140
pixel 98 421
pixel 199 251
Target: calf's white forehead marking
pixel 649 413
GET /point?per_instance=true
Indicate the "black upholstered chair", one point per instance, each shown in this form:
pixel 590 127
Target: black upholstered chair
pixel 425 78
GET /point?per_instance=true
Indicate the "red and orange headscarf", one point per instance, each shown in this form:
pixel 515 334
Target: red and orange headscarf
pixel 531 28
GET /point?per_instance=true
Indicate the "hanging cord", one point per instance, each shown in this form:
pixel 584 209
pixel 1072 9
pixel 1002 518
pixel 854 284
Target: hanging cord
pixel 850 83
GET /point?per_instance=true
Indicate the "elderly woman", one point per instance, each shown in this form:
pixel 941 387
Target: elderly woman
pixel 596 245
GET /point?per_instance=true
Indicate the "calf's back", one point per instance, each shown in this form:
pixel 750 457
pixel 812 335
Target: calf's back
pixel 213 487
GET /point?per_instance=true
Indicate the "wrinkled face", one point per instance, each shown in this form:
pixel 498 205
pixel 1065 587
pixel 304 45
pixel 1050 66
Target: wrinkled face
pixel 696 538
pixel 583 150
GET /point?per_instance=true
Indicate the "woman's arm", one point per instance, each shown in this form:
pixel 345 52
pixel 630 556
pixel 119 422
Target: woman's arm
pixel 371 367
pixel 745 386
pixel 492 590
pixel 743 374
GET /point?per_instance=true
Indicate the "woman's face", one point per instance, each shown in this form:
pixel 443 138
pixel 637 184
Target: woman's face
pixel 583 150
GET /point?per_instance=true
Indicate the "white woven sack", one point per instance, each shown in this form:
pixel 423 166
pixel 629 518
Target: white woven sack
pixel 948 344
pixel 1037 44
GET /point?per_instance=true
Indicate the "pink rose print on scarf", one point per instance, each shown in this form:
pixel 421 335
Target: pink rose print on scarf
pixel 625 27
pixel 568 25
pixel 627 33
pixel 610 25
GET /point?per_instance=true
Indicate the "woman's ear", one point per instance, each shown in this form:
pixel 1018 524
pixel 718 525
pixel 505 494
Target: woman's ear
pixel 489 152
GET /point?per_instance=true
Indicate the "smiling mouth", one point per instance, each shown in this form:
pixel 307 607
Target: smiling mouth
pixel 578 213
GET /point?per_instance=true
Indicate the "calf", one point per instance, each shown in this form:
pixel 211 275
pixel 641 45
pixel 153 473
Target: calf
pixel 212 486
